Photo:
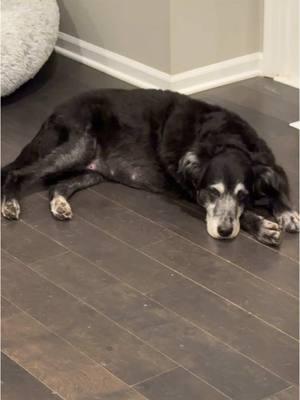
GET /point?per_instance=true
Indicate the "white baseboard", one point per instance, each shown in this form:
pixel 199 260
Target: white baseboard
pixel 143 76
pixel 218 74
pixel 288 81
pixel 113 64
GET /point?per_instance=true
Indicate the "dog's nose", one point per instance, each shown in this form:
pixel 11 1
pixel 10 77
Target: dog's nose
pixel 225 231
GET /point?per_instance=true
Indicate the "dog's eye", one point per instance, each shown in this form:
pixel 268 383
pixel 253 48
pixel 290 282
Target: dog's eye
pixel 213 191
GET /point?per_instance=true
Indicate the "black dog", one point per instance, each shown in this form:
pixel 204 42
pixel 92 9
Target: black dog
pixel 150 139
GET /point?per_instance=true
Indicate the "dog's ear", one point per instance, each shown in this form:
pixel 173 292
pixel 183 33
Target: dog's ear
pixel 192 169
pixel 268 178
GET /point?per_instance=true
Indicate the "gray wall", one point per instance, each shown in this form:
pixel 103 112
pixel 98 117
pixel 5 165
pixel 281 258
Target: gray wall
pixel 170 35
pixel 138 29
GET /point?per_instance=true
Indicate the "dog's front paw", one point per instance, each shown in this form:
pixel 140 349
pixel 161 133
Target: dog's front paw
pixel 10 209
pixel 289 221
pixel 269 232
pixel 60 208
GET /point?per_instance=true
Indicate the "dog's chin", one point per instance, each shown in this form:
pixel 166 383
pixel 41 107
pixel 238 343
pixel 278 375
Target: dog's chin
pixel 212 229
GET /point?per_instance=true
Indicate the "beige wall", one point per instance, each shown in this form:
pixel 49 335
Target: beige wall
pixel 170 35
pixel 204 32
pixel 138 29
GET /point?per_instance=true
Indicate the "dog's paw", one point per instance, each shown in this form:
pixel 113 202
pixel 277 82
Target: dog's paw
pixel 289 221
pixel 10 209
pixel 269 233
pixel 60 208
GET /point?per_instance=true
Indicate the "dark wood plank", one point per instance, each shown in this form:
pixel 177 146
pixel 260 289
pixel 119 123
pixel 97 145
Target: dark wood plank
pixel 17 384
pixel 264 101
pixel 121 260
pixel 124 224
pixel 27 244
pixel 282 92
pixel 59 365
pixel 35 206
pixel 8 309
pixel 149 320
pixel 177 385
pixel 234 326
pixel 200 352
pixel 105 342
pixel 260 260
pixel 291 393
pixel 129 394
pixel 290 246
pixel 233 283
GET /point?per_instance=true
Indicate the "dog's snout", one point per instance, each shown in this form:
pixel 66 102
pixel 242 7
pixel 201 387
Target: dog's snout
pixel 225 230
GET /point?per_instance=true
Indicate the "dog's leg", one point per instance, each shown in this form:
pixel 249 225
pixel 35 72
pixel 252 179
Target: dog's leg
pixel 69 157
pixel 61 192
pixel 272 184
pixel 286 217
pixel 263 230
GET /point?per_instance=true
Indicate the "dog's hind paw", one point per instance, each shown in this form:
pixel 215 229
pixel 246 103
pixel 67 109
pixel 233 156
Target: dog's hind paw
pixel 269 233
pixel 60 208
pixel 10 209
pixel 289 221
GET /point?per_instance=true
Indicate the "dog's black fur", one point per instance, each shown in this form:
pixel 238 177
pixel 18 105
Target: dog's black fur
pixel 140 138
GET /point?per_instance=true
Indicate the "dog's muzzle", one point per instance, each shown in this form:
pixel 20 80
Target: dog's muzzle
pixel 227 228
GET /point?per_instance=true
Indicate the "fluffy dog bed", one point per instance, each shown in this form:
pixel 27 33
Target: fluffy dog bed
pixel 28 35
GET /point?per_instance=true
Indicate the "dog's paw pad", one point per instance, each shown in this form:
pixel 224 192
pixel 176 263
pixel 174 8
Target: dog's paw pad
pixel 289 221
pixel 60 208
pixel 11 209
pixel 269 233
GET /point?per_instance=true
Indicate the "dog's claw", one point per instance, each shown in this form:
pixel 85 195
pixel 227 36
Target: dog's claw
pixel 269 233
pixel 289 221
pixel 11 209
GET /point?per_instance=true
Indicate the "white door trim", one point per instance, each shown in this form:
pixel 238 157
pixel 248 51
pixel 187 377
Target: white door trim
pixel 281 41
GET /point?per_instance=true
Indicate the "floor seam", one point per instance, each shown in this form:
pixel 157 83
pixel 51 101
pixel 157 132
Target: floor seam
pixel 25 369
pixel 188 279
pixel 276 393
pixel 156 376
pixel 204 249
pixel 173 233
pixel 169 310
pixel 96 362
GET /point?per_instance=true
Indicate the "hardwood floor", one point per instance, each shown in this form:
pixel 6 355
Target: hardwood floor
pixel 132 300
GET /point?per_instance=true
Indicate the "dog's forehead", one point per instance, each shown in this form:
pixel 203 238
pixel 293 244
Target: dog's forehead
pixel 230 172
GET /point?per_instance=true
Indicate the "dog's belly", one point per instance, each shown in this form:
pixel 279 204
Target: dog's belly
pixel 145 175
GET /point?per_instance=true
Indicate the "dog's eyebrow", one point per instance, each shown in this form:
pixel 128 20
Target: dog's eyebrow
pixel 219 186
pixel 240 187
pixel 189 157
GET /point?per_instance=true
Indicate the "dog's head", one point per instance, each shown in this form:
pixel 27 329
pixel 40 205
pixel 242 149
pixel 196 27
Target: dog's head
pixel 223 192
pixel 224 181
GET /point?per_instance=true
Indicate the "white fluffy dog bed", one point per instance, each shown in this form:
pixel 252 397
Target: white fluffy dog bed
pixel 28 35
